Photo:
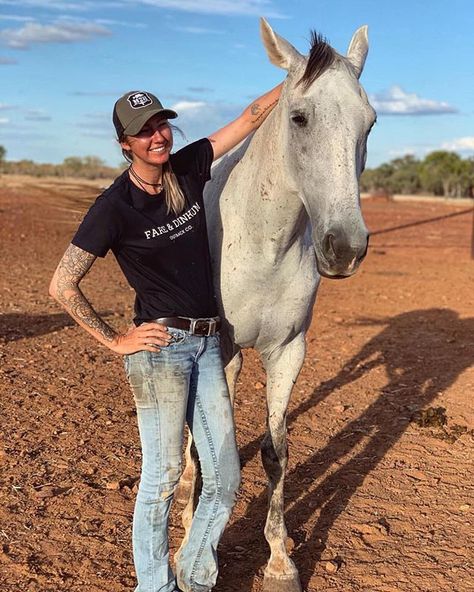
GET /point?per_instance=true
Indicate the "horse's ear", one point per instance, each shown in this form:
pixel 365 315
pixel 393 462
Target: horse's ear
pixel 280 52
pixel 358 49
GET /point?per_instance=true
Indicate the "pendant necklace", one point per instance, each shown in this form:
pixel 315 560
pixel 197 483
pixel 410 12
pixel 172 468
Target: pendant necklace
pixel 142 182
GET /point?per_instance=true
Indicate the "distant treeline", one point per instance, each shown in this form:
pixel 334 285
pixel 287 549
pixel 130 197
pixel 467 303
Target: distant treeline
pixel 439 173
pixel 86 167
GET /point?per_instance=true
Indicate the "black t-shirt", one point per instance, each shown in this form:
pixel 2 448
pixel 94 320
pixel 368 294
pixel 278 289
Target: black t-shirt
pixel 164 257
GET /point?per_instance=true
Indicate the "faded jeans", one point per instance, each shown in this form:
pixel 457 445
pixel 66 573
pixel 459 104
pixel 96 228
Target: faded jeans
pixel 184 382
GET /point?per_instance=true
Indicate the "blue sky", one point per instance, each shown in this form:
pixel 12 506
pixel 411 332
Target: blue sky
pixel 63 64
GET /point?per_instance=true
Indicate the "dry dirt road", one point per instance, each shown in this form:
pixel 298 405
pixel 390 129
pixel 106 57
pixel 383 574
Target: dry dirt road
pixel 379 489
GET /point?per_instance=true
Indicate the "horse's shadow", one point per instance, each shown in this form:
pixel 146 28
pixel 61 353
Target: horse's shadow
pixel 423 352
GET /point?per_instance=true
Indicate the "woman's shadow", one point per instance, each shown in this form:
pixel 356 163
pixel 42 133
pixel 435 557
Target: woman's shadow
pixel 423 352
pixel 21 325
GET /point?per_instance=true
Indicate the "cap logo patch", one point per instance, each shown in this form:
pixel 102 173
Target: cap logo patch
pixel 139 100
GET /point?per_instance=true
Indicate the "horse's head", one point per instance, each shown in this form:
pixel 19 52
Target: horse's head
pixel 325 121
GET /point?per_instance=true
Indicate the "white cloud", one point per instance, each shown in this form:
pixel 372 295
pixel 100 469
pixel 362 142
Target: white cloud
pixel 396 101
pixel 465 144
pixel 223 7
pixel 4 120
pixel 5 106
pixel 59 32
pixel 185 106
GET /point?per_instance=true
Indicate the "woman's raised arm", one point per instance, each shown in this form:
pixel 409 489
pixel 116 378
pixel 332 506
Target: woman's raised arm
pixel 250 119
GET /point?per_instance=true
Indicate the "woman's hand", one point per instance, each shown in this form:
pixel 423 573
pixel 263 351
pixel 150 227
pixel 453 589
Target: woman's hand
pixel 147 337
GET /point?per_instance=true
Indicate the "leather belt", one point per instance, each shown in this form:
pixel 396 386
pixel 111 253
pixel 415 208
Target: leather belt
pixel 201 327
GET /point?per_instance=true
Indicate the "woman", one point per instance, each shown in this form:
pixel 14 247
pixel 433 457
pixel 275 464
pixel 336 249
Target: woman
pixel 152 218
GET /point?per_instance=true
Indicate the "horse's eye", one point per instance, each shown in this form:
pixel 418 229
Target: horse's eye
pixel 299 119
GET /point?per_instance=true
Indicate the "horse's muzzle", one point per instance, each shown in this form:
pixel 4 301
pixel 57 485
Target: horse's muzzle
pixel 341 255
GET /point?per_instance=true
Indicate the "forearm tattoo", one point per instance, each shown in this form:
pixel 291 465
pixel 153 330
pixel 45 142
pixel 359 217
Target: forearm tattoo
pixel 73 267
pixel 259 112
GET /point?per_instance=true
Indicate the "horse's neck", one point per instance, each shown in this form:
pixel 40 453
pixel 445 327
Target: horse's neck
pixel 269 200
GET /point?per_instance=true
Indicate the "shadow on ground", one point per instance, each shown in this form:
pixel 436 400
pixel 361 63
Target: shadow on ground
pixel 410 347
pixel 18 325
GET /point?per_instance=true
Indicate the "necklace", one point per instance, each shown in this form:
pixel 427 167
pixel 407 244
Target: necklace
pixel 142 182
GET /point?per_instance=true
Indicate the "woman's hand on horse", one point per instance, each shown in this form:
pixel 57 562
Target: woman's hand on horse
pixel 147 337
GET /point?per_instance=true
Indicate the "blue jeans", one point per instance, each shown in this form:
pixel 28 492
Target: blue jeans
pixel 184 382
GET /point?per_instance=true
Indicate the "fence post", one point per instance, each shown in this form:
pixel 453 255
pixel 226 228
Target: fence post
pixel 472 235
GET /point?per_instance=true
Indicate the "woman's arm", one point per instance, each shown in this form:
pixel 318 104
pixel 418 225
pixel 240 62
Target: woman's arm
pixel 64 288
pixel 254 115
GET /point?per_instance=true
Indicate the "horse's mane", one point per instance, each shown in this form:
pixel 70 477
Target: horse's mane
pixel 321 57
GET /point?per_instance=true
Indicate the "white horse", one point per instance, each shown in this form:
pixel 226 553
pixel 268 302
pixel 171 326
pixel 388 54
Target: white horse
pixel 283 209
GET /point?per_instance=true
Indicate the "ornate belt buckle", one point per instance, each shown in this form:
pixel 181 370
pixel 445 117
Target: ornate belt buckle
pixel 210 329
pixel 195 325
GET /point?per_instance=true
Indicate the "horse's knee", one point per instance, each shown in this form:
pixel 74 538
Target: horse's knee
pixel 273 456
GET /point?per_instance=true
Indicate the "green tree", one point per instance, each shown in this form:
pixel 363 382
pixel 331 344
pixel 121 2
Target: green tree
pixel 405 177
pixel 400 175
pixel 465 187
pixel 378 179
pixel 3 164
pixel 441 173
pixel 72 166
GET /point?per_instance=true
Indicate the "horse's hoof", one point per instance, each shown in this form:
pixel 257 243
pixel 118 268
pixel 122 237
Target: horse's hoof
pixel 288 584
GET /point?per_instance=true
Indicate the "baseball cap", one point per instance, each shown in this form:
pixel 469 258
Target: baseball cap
pixel 134 109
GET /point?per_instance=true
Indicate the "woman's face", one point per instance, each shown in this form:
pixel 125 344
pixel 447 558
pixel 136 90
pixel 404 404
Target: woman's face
pixel 153 143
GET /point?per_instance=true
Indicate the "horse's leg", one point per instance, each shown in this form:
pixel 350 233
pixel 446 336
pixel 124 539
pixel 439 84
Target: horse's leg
pixel 188 490
pixel 282 369
pixel 232 371
pixel 190 483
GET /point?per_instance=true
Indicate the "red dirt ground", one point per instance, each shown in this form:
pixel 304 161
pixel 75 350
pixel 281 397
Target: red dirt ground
pixel 375 500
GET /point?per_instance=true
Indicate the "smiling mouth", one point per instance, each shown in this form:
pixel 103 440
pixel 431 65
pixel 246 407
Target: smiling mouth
pixel 159 149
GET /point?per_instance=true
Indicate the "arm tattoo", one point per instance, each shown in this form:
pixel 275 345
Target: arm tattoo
pixel 258 112
pixel 254 109
pixel 73 267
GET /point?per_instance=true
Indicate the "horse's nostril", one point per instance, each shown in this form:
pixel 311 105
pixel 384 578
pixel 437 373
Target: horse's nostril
pixel 340 250
pixel 328 245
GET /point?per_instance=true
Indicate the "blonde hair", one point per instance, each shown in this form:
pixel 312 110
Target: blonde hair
pixel 174 196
